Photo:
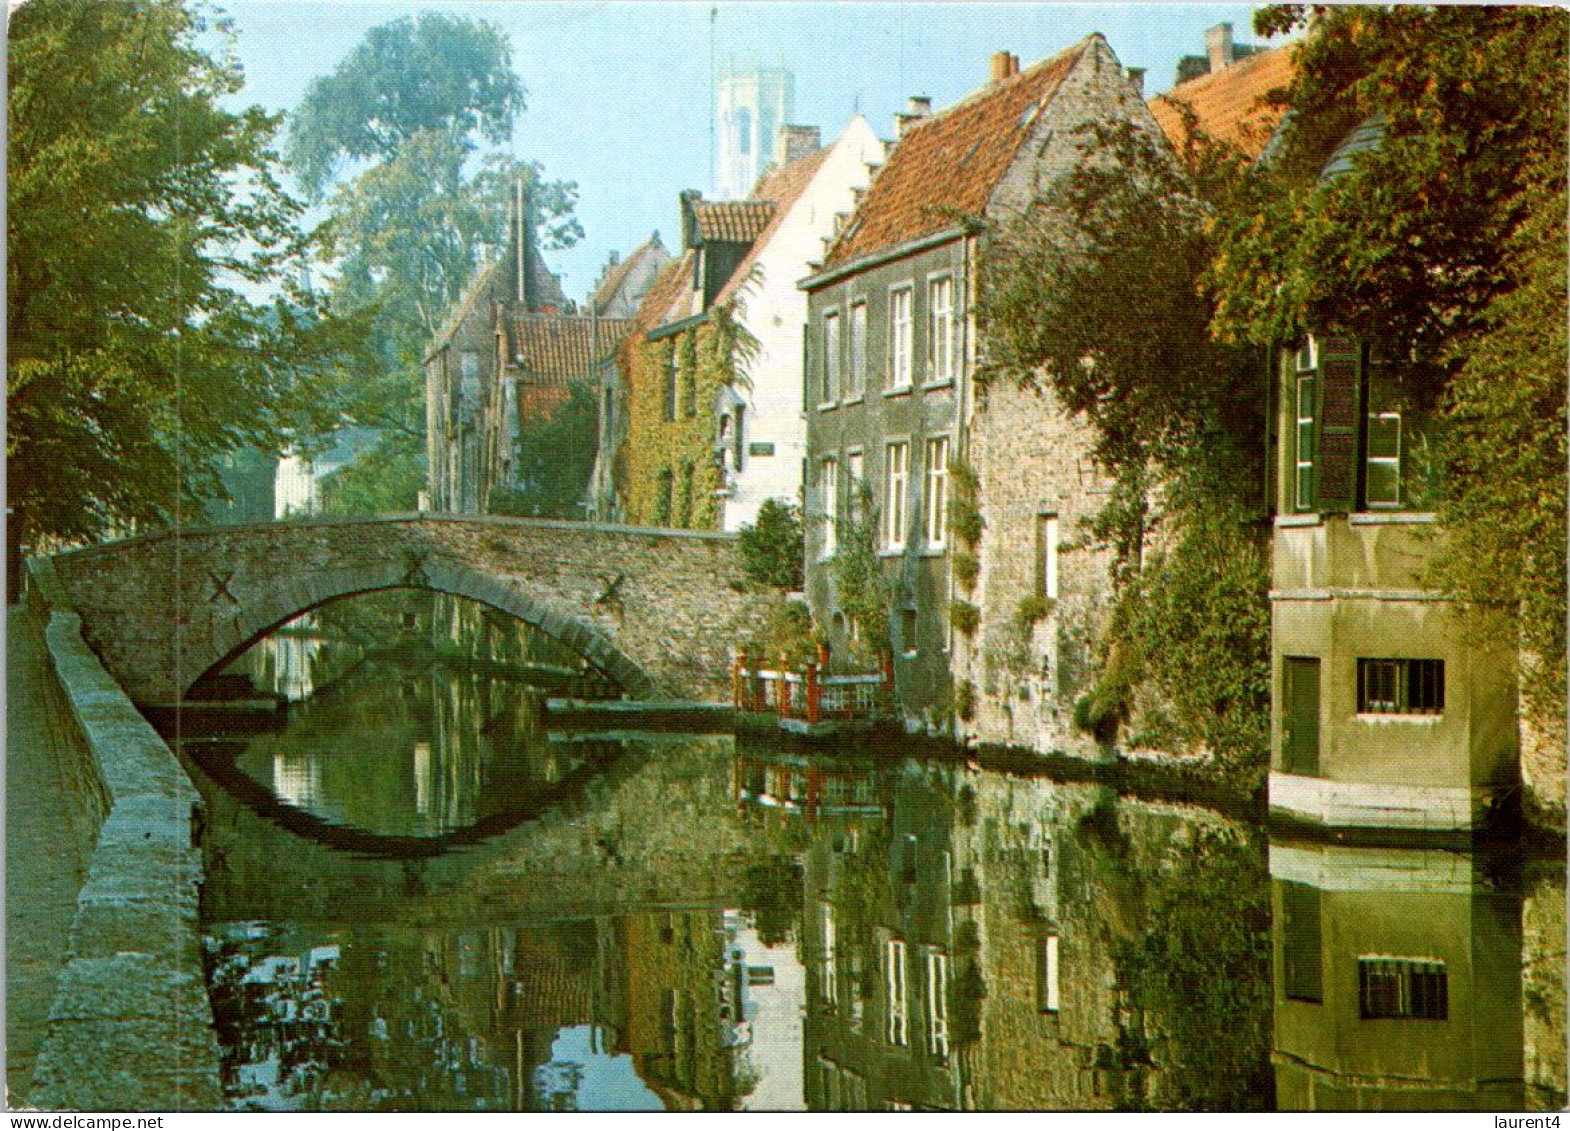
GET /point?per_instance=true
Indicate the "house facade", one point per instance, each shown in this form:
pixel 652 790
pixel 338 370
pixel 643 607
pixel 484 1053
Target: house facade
pixel 1389 709
pixel 891 402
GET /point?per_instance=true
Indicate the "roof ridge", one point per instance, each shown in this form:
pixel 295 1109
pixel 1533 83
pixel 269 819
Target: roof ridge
pixel 993 89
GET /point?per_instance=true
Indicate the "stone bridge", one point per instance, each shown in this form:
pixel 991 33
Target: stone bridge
pixel 658 611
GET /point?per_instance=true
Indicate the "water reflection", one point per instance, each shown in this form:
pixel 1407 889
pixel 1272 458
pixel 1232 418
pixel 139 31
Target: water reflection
pixel 722 925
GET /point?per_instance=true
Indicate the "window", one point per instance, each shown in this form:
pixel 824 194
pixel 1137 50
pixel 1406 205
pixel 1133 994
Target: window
pixel 1047 975
pixel 828 505
pixel 858 350
pixel 1308 355
pixel 830 983
pixel 907 631
pixel 937 1004
pixel 895 1030
pixel 672 379
pixel 1303 485
pixel 935 502
pixel 940 331
pixel 1382 486
pixel 469 364
pixel 1047 556
pixel 899 338
pixel 855 484
pixel 1414 989
pixel 741 420
pixel 831 358
pixel 896 470
pixel 1400 687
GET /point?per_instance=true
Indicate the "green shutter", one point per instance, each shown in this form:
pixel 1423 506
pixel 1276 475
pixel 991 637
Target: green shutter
pixel 1339 357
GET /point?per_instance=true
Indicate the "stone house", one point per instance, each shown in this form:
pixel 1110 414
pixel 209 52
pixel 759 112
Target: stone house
pixel 713 376
pixel 893 412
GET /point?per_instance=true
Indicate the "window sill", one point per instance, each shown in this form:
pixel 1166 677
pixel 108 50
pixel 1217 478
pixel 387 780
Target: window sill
pixel 857 399
pixel 1297 520
pixel 933 386
pixel 932 552
pixel 828 406
pixel 892 552
pixel 1392 518
pixel 1397 717
pixel 899 391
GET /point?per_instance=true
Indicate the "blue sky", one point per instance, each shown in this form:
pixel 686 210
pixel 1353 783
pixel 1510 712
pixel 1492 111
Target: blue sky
pixel 618 93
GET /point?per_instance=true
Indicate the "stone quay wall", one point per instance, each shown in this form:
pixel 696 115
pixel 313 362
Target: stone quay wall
pixel 659 611
pixel 130 1028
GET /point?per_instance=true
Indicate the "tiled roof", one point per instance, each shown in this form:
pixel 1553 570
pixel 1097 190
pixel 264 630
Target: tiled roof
pixel 732 221
pixel 948 165
pixel 783 186
pixel 1229 104
pixel 616 277
pixel 554 349
pixel 1367 137
pixel 671 296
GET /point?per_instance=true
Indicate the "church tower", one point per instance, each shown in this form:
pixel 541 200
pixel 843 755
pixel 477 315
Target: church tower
pixel 751 106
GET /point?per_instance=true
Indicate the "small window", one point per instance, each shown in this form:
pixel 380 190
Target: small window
pixel 907 631
pixel 1383 483
pixel 1307 355
pixel 1047 975
pixel 896 1030
pixel 828 506
pixel 1047 556
pixel 940 331
pixel 1400 687
pixel 858 350
pixel 1415 989
pixel 469 363
pixel 896 474
pixel 855 485
pixel 937 1003
pixel 899 338
pixel 936 503
pixel 831 358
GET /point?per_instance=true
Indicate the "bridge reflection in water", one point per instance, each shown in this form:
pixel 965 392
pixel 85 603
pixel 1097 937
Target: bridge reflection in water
pixel 719 924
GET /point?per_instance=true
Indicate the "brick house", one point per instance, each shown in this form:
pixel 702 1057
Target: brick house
pixel 895 422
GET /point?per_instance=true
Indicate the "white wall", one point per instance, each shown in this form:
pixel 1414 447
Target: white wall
pixel 776 311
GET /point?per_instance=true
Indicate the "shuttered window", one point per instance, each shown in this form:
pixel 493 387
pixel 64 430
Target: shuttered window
pixel 1339 409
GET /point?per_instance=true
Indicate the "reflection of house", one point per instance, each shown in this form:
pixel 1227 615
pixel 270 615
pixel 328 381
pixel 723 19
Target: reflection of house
pixel 1386 711
pixel 1397 982
pixel 811 787
pixel 892 353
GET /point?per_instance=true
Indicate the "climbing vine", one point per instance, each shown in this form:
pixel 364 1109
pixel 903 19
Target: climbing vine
pixel 669 472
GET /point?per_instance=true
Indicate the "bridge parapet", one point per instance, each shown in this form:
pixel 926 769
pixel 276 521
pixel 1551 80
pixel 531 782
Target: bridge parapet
pixel 656 610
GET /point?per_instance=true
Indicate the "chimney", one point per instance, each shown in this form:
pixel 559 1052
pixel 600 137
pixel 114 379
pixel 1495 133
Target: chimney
pixel 918 107
pixel 796 142
pixel 1136 79
pixel 1218 45
pixel 1005 65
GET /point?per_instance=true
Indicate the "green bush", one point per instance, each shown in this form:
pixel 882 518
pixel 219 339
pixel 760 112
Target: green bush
pixel 964 616
pixel 967 568
pixel 773 550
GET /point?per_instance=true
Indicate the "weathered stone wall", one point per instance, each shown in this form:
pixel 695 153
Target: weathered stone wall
pixel 658 611
pixel 1033 460
pixel 1543 992
pixel 130 1028
pixel 1542 742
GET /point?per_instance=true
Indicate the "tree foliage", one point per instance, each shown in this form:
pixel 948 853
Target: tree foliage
pixel 773 549
pixel 139 209
pixel 555 460
pixel 437 74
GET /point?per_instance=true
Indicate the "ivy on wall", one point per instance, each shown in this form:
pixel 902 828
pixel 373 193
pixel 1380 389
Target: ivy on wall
pixel 668 472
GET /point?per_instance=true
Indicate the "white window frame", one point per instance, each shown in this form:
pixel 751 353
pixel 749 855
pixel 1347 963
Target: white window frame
pixel 856 372
pixel 938 1003
pixel 1049 974
pixel 896 493
pixel 935 499
pixel 940 330
pixel 828 505
pixel 1392 462
pixel 830 388
pixel 901 336
pixel 1307 418
pixel 855 484
pixel 896 1028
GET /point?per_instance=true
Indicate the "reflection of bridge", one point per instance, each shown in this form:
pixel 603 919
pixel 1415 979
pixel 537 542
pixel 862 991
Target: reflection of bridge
pixel 656 610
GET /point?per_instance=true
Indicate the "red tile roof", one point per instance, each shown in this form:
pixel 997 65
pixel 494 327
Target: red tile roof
pixel 670 298
pixel 732 221
pixel 947 166
pixel 1230 104
pixel 554 349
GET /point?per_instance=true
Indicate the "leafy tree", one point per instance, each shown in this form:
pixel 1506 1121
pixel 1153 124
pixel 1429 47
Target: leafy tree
pixel 387 479
pixel 438 74
pixel 555 459
pixel 773 550
pixel 139 208
pixel 406 114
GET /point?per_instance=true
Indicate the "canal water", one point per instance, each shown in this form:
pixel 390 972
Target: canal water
pixel 420 896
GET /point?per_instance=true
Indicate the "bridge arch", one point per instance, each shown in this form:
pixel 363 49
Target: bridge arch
pixel 276 605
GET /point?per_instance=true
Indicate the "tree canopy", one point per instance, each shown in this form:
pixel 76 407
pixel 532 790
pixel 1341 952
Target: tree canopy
pixel 142 216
